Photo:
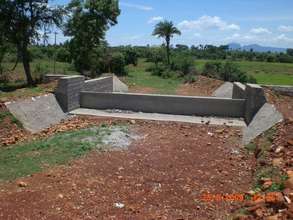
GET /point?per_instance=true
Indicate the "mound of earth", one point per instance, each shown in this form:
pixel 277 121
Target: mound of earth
pixel 11 130
pixel 203 86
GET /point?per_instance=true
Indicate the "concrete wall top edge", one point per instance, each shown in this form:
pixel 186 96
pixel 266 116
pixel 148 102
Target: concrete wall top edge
pixel 159 95
pixel 255 86
pixel 73 77
pixel 97 79
pixel 240 85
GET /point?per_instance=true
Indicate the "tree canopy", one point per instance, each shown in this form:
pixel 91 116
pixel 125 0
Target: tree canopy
pixel 87 23
pixel 21 22
pixel 166 30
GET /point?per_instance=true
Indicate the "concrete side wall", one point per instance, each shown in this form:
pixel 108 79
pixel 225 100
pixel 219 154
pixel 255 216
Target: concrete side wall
pixel 224 91
pixel 238 91
pixel 255 99
pixel 37 113
pixel 179 105
pixel 104 84
pixel 119 86
pixel 68 92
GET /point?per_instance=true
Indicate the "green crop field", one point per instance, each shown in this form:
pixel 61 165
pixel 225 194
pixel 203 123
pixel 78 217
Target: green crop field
pixel 264 72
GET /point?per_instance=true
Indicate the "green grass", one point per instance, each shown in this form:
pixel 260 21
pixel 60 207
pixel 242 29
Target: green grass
pixel 264 72
pixel 45 66
pixel 28 158
pixel 138 76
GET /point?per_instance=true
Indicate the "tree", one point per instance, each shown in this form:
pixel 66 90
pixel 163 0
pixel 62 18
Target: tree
pixel 21 22
pixel 87 24
pixel 290 51
pixel 166 30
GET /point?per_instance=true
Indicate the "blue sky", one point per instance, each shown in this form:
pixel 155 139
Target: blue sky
pixel 265 22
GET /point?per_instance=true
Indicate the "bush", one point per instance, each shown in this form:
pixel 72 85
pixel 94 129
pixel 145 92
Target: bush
pixel 63 55
pixel 212 69
pixel 190 78
pixel 184 64
pixel 157 69
pixel 117 64
pixel 131 56
pixel 228 72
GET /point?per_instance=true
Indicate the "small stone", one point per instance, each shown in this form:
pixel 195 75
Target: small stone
pixel 132 122
pixel 22 184
pixel 290 142
pixel 60 196
pixel 267 184
pixel 277 162
pixel 119 205
pixel 289 183
pixel 279 149
pixel 220 131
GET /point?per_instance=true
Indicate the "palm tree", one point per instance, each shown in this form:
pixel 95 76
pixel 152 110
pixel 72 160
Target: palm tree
pixel 167 30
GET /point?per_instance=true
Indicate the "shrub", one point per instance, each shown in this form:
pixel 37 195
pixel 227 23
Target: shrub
pixel 157 69
pixel 131 56
pixel 190 78
pixel 63 55
pixel 182 63
pixel 212 69
pixel 117 64
pixel 226 71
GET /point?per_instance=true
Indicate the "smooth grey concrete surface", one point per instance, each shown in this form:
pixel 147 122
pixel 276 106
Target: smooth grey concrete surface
pixel 166 104
pixel 265 118
pixel 239 91
pixel 162 117
pixel 68 92
pixel 224 91
pixel 37 113
pixel 283 90
pixel 103 84
pixel 255 99
pixel 119 86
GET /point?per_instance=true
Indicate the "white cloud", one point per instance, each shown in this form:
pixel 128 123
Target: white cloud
pixel 208 22
pixel 260 30
pixel 155 19
pixel 284 28
pixel 136 6
pixel 284 38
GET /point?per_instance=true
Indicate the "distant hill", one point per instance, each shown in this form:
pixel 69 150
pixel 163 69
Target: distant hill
pixel 255 48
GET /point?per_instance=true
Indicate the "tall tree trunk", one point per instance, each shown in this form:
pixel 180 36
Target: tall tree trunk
pixel 168 50
pixel 26 64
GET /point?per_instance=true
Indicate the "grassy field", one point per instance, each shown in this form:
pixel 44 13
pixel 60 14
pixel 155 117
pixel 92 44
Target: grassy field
pixel 38 67
pixel 264 72
pixel 28 158
pixel 138 76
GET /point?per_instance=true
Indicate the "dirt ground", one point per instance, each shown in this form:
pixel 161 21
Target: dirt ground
pixel 162 176
pixel 204 86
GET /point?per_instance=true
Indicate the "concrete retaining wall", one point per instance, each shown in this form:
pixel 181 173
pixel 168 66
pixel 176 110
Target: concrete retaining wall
pixel 179 105
pixel 68 92
pixel 104 84
pixel 255 99
pixel 239 91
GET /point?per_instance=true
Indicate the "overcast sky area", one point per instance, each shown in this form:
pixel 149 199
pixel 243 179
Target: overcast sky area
pixel 264 22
